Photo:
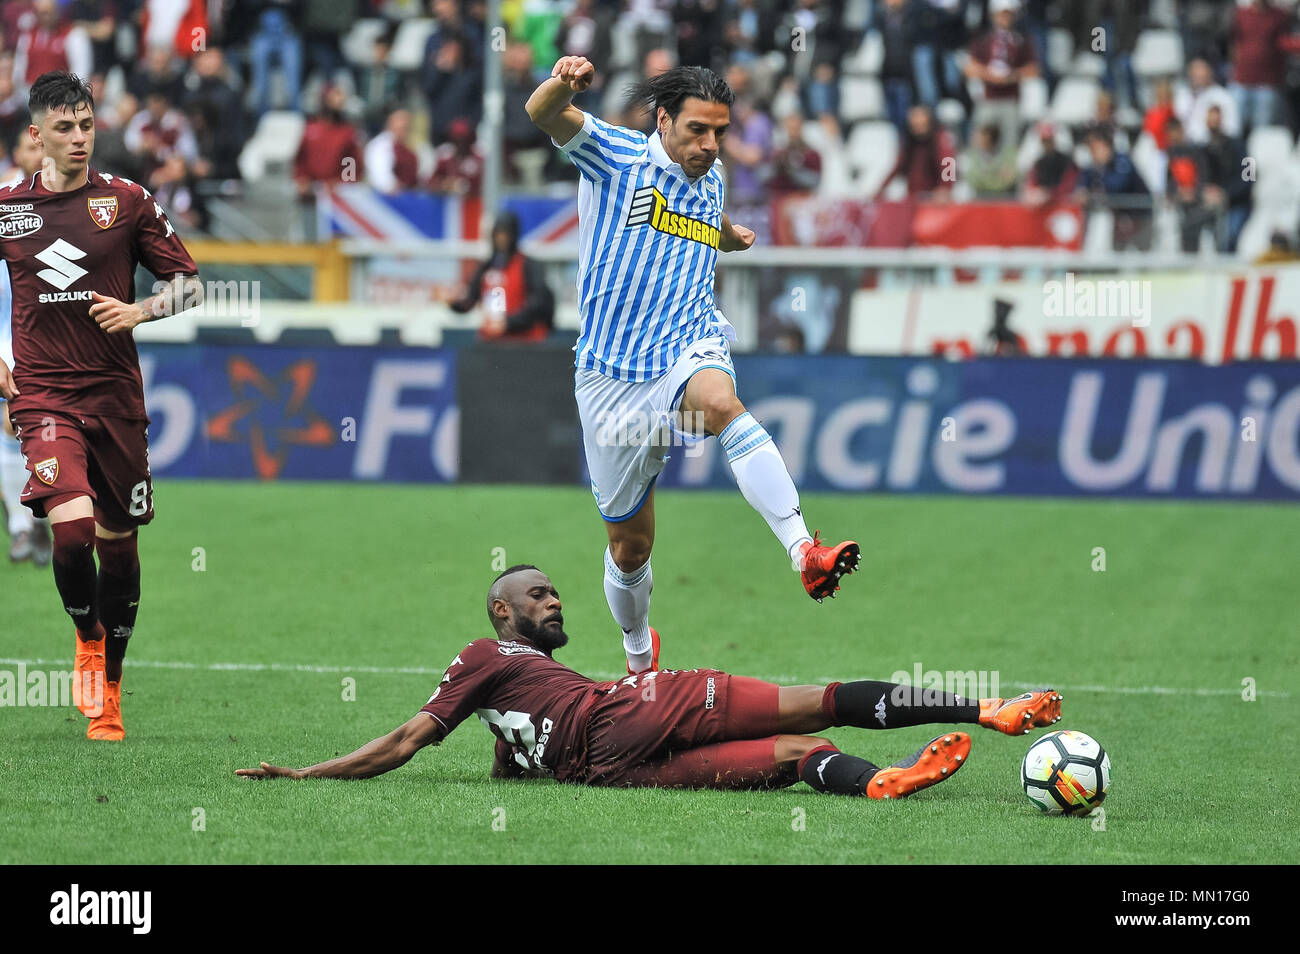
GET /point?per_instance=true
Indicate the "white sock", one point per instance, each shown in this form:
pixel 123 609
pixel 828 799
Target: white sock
pixel 13 478
pixel 628 595
pixel 765 482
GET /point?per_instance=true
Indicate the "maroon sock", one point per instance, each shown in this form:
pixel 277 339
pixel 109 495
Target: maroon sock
pixel 118 596
pixel 74 574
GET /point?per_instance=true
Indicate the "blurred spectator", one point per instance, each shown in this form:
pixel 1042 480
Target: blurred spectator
pixel 1227 189
pixel 796 166
pixel 391 164
pixel 111 152
pixel 1104 121
pixel 657 60
pixel 159 68
pixel 380 84
pixel 748 144
pixel 275 46
pixel 1120 21
pixel 1160 112
pixel 451 87
pixel 1003 340
pixel 216 112
pixel 940 40
pixel 1279 252
pixel 1000 59
pixel 329 151
pixel 748 30
pixel 925 158
pixel 538 25
pixel 990 165
pixel 518 131
pixel 451 25
pixel 1193 101
pixel 161 138
pixel 698 24
pixel 1185 181
pixel 323 22
pixel 179 25
pixel 1260 41
pixel 98 20
pixel 577 34
pixel 822 97
pixel 899 24
pixel 25 159
pixel 517 302
pixel 1112 181
pixel 458 163
pixel 51 41
pixel 1053 176
pixel 1205 25
pixel 13 102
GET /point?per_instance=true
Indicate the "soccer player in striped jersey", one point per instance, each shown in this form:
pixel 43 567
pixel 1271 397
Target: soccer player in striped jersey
pixel 653 361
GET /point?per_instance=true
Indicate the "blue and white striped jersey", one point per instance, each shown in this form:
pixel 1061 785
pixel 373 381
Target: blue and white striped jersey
pixel 649 244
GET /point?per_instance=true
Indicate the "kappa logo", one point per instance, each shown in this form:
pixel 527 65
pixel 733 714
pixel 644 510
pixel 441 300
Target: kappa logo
pixel 709 691
pixel 880 710
pixel 821 767
pixel 103 210
pixel 60 256
pixel 48 470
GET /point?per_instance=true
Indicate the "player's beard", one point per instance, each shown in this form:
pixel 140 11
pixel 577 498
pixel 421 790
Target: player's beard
pixel 542 635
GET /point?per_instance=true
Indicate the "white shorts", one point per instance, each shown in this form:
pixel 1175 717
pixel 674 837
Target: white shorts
pixel 628 427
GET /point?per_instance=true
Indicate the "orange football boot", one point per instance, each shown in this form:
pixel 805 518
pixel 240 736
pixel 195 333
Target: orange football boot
pixel 823 566
pixel 937 760
pixel 1017 716
pixel 88 676
pixel 654 655
pixel 107 726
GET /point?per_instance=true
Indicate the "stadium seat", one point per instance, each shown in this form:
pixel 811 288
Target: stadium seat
pixel 274 143
pixel 871 152
pixel 866 60
pixel 1060 50
pixel 950 113
pixel 1033 98
pixel 408 45
pixel 861 97
pixel 358 44
pixel 1158 53
pixel 1270 147
pixel 1088 64
pixel 1075 101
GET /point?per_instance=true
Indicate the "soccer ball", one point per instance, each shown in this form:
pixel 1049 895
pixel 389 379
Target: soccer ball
pixel 1066 773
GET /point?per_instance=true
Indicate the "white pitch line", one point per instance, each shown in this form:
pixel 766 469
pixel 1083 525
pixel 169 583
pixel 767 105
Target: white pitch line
pixel 607 676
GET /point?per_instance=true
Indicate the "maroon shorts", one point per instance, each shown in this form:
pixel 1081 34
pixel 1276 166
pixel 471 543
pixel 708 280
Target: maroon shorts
pixel 103 458
pixel 684 728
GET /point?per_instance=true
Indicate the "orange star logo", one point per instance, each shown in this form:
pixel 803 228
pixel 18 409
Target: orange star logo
pixel 273 412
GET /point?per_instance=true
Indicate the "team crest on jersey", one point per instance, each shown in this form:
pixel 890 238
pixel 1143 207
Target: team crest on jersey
pixel 649 207
pixel 48 470
pixel 103 210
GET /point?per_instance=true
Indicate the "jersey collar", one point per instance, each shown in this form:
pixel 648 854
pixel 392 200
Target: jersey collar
pixel 659 156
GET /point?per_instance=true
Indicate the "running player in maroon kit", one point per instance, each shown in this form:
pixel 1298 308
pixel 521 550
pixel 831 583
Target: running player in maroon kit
pixel 697 728
pixel 72 236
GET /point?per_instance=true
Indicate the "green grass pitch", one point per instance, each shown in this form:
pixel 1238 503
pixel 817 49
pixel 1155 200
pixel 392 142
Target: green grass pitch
pixel 384 584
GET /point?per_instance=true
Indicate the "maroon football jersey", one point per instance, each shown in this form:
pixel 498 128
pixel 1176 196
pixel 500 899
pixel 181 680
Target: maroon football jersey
pixel 60 246
pixel 537 705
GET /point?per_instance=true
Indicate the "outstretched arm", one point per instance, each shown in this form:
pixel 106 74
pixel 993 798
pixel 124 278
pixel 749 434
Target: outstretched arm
pixel 374 758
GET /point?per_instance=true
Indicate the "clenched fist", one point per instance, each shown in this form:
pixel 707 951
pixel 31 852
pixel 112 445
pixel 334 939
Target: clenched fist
pixel 576 72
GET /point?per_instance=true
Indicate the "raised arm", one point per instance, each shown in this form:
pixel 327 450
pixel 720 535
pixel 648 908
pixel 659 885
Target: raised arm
pixel 374 758
pixel 550 106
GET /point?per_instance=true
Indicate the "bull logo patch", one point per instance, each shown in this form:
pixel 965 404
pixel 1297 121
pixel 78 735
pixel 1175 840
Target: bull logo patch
pixel 48 470
pixel 103 210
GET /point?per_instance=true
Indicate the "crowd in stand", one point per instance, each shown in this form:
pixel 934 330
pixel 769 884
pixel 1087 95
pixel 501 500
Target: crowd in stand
pixel 181 84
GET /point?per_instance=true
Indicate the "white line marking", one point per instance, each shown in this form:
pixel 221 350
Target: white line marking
pixel 608 676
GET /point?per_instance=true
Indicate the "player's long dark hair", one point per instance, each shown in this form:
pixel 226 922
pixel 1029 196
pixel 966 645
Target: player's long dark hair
pixel 59 88
pixel 673 87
